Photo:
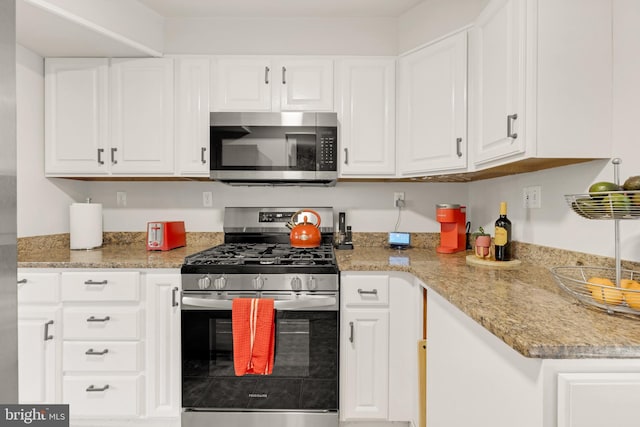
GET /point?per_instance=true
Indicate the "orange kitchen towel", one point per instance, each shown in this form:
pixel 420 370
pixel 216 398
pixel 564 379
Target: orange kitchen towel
pixel 253 327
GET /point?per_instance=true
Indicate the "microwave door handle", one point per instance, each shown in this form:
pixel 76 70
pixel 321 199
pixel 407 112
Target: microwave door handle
pixel 299 133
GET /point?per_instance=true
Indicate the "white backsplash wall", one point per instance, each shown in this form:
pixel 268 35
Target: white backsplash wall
pixel 369 206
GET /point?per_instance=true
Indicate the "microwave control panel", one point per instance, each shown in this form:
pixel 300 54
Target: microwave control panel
pixel 327 149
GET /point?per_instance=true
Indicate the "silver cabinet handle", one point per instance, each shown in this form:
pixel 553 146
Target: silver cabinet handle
pixel 346 156
pixel 93 282
pixel 458 147
pixel 93 388
pixel 113 156
pixel 511 118
pixel 363 292
pixel 46 330
pixel 284 75
pixel 202 151
pixel 174 299
pixel 22 281
pixel 350 331
pixel 100 151
pixel 266 75
pixel 92 352
pixel 96 319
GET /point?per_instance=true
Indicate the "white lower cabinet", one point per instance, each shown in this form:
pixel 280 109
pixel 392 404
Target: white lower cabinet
pixel 106 342
pixel 378 357
pixel 39 338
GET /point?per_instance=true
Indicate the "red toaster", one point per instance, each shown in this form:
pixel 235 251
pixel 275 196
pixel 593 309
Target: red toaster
pixel 165 235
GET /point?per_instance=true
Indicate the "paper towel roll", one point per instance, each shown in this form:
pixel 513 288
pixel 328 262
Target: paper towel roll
pixel 85 225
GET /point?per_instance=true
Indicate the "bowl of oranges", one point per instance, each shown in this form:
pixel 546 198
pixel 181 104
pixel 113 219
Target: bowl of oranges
pixel 597 286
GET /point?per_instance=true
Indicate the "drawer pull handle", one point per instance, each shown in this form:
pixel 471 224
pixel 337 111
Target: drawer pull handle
pixel 363 292
pixel 96 319
pixel 93 388
pixel 174 299
pixel 22 281
pixel 46 330
pixel 92 352
pixel 93 282
pixel 350 331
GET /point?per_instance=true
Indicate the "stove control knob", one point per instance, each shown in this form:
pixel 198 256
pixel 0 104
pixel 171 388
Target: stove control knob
pixel 258 282
pixel 220 282
pixel 296 283
pixel 204 282
pixel 312 283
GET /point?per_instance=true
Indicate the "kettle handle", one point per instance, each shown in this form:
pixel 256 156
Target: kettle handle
pixel 306 210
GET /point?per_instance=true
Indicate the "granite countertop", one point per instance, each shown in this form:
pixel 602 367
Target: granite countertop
pixel 524 307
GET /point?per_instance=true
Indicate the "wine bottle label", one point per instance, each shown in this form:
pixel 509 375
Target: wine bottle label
pixel 501 236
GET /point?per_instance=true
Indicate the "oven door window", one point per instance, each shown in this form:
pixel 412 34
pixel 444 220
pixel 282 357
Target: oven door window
pixel 264 148
pixel 305 367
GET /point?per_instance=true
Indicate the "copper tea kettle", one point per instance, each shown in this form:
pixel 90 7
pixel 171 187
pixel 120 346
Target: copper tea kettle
pixel 304 234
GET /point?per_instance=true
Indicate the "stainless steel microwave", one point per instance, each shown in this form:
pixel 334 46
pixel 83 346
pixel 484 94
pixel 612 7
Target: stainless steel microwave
pixel 289 148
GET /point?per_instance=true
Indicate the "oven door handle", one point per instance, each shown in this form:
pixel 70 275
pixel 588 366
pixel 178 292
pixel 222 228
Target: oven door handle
pixel 294 304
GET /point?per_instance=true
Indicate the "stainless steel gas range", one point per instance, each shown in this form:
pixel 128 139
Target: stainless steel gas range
pixel 257 261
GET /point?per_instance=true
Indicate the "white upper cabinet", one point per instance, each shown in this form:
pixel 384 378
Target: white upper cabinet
pixel 272 84
pixel 432 108
pixel 306 84
pixel 107 118
pixel 365 102
pixel 142 116
pixel 541 81
pixel 192 116
pixel 76 110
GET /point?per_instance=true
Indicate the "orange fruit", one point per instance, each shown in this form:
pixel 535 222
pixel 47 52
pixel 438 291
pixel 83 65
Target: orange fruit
pixel 632 298
pixel 604 291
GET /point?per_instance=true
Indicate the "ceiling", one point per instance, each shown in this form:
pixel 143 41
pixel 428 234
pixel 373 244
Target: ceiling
pixel 280 8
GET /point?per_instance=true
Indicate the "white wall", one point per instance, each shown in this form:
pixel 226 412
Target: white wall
pixel 281 36
pixel 369 206
pixel 43 204
pixel 432 19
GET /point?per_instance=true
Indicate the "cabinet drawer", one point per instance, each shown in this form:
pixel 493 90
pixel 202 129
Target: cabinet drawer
pixel 101 286
pixel 101 323
pixel 111 396
pixel 38 288
pixel 84 356
pixel 366 290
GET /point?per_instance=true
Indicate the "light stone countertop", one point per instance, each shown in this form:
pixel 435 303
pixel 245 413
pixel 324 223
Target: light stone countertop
pixel 524 307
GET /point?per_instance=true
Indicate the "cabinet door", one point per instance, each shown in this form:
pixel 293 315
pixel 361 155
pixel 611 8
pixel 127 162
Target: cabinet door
pixel 498 50
pixel 192 115
pixel 432 126
pixel 598 399
pixel 142 116
pixel 76 108
pixel 365 364
pixel 366 111
pixel 242 84
pixel 163 345
pixel 305 84
pixel 39 354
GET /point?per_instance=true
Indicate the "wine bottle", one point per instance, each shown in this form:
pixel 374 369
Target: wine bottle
pixel 503 235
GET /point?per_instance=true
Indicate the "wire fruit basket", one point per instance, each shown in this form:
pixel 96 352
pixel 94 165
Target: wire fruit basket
pixel 611 289
pixel 595 286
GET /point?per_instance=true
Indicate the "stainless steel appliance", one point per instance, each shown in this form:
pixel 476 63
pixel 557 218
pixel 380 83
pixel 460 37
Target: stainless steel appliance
pixel 257 261
pixel 289 148
pixel 8 221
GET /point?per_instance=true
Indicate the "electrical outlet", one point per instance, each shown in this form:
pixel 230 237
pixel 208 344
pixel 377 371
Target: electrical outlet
pixel 532 197
pixel 121 199
pixel 398 199
pixel 207 199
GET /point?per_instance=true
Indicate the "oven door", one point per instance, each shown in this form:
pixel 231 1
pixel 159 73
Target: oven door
pixel 305 371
